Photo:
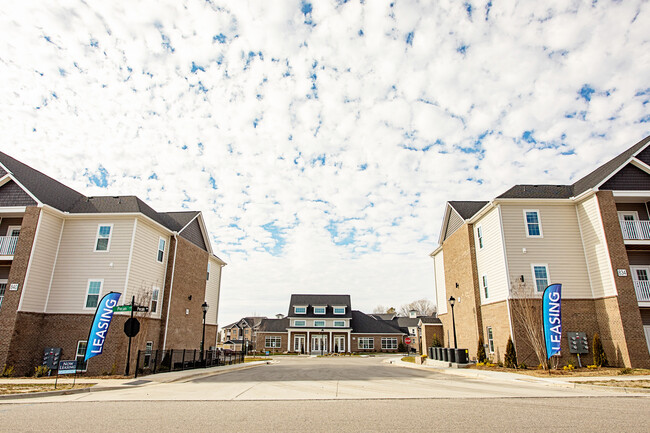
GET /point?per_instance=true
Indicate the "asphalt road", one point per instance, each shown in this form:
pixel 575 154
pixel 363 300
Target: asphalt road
pixel 321 394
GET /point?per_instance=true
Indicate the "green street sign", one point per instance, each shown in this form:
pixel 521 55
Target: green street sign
pixel 122 308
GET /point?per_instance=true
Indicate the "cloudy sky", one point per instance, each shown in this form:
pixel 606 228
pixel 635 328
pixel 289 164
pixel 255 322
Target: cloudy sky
pixel 321 140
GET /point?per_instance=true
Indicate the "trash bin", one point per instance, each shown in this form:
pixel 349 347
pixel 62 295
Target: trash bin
pixel 438 353
pixel 430 353
pixel 445 354
pixel 452 355
pixel 462 356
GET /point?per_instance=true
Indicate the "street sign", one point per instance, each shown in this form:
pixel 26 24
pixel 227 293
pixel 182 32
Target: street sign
pixel 122 308
pixel 131 327
pixel 407 340
pixel 68 367
pixel 141 309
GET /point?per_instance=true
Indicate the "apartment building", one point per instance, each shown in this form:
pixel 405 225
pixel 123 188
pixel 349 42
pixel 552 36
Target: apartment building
pixel 592 236
pixel 240 334
pixel 61 251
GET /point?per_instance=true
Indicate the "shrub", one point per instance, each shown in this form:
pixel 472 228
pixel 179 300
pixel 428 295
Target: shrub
pixel 401 347
pixel 568 367
pixel 7 370
pixel 523 366
pixel 510 359
pixel 625 371
pixel 480 351
pixel 600 358
pixel 41 371
pixel 593 366
pixel 436 342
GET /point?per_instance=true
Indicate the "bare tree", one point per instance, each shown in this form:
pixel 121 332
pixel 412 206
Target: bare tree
pixel 380 309
pixel 527 316
pixel 423 307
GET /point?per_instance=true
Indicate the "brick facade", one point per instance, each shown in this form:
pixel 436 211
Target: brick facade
pixel 429 331
pixel 377 342
pixel 260 340
pixel 495 316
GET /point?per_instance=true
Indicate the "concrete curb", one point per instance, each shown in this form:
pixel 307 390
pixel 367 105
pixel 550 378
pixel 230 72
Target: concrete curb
pixel 55 393
pixel 216 372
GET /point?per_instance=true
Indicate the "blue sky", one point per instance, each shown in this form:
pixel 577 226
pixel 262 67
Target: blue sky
pixel 321 139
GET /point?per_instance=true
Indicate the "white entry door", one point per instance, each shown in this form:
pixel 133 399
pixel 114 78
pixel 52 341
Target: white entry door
pixel 339 343
pixel 299 343
pixel 318 344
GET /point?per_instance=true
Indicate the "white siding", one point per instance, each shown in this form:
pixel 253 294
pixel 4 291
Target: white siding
pixel 560 248
pixel 146 271
pixel 77 262
pixel 212 291
pixel 439 282
pixel 595 246
pixel 490 259
pixel 42 263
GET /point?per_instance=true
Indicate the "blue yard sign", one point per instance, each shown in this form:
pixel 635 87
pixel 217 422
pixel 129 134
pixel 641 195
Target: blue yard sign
pixel 552 317
pixel 102 321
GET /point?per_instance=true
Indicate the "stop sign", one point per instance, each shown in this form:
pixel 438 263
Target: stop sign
pixel 407 340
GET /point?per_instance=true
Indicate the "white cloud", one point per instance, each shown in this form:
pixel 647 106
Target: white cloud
pixel 317 122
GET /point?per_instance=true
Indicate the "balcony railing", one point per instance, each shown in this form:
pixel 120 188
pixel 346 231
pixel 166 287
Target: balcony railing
pixel 8 245
pixel 636 230
pixel 642 289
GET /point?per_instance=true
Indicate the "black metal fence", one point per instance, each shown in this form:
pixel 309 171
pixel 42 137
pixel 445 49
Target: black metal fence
pixel 162 361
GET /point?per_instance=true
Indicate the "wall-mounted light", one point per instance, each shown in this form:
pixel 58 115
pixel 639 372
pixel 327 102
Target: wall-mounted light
pixel 456 285
pixel 189 298
pixel 521 278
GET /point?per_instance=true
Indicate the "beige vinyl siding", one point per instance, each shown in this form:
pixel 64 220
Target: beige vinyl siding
pixel 455 222
pixel 77 262
pixel 439 282
pixel 146 271
pixel 560 247
pixel 42 263
pixel 212 290
pixel 595 247
pixel 490 260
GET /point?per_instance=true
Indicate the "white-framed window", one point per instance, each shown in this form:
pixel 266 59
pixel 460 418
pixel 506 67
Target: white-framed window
pixel 319 310
pixel 13 231
pixel 81 355
pixel 533 223
pixel 319 323
pixel 155 294
pixel 207 278
pixel 299 323
pixel 339 310
pixel 339 323
pixel 103 241
pixel 273 342
pixel 148 349
pixel 485 286
pixel 490 339
pixel 479 235
pixel 3 288
pixel 93 292
pixel 412 331
pixel 161 250
pixel 300 310
pixel 366 343
pixel 540 276
pixel 388 343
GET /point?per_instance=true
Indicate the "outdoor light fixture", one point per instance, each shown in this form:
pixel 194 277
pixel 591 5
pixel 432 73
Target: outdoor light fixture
pixel 204 307
pixel 456 285
pixel 521 278
pixel 452 301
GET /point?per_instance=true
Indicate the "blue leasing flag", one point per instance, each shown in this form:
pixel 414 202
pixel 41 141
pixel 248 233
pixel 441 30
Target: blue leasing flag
pixel 552 318
pixel 102 321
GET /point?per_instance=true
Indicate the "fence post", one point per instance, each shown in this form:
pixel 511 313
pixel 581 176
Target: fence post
pixel 137 364
pixel 183 361
pixel 155 361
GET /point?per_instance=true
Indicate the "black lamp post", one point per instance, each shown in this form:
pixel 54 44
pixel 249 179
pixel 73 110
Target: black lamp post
pixel 452 301
pixel 204 307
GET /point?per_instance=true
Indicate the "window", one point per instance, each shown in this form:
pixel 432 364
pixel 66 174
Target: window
pixel 155 293
pixel 319 310
pixel 540 274
pixel 103 237
pixel 339 310
pixel 3 287
pixel 479 235
pixel 207 278
pixel 161 251
pixel 300 310
pixel 92 296
pixel 485 286
pixel 147 353
pixel 299 323
pixel 533 225
pixel 273 342
pixel 366 343
pixel 13 231
pixel 412 331
pixel 490 339
pixel 339 323
pixel 389 343
pixel 319 323
pixel 81 355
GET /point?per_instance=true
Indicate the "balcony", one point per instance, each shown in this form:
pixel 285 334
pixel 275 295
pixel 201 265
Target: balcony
pixel 8 245
pixel 642 289
pixel 635 230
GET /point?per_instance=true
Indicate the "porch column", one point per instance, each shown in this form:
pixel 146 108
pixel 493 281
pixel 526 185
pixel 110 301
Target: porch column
pixel 331 343
pixel 349 341
pixel 307 343
pixel 288 341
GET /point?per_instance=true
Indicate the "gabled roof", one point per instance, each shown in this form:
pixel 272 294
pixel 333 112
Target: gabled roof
pixel 467 209
pixel 382 316
pixel 182 218
pixel 364 324
pixel 538 191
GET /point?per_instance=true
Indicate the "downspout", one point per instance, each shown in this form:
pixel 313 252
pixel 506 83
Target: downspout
pixel 171 288
pixel 218 298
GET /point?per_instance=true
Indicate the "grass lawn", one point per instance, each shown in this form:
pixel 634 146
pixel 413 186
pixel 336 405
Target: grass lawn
pixel 409 359
pixel 23 388
pixel 254 359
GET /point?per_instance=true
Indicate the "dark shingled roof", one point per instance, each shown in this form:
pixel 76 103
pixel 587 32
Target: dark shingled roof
pixel 430 320
pixel 182 218
pixel 364 324
pixel 319 300
pixel 274 325
pixel 467 209
pixel 383 316
pixel 538 191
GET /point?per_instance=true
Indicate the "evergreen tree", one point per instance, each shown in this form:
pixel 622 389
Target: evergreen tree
pixel 510 360
pixel 480 351
pixel 435 342
pixel 600 358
